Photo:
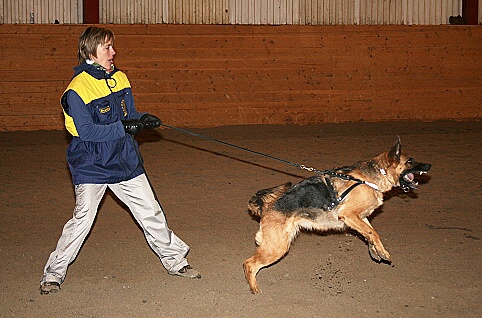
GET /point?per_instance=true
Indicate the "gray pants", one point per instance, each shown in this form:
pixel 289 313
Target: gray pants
pixel 139 198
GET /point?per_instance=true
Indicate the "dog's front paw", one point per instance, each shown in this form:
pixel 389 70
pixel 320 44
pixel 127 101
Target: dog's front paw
pixel 255 290
pixel 379 254
pixel 373 253
pixel 385 256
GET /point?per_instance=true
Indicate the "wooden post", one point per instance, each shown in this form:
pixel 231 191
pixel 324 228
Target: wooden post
pixel 470 11
pixel 91 11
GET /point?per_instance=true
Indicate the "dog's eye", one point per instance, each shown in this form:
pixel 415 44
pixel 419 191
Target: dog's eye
pixel 410 161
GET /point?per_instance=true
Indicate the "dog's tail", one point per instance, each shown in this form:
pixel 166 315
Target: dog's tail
pixel 263 199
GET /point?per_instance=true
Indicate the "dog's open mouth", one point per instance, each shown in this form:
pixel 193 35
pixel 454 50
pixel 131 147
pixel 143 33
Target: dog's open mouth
pixel 407 179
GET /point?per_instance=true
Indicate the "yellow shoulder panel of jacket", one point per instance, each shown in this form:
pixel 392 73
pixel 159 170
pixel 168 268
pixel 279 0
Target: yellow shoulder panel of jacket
pixel 90 88
pixel 70 126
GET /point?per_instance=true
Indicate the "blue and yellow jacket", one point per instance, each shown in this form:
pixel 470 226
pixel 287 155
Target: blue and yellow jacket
pixel 94 104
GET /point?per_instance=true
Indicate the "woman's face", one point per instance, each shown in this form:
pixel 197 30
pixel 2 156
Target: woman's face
pixel 105 55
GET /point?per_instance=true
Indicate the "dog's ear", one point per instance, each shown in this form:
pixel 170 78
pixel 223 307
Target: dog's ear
pixel 395 152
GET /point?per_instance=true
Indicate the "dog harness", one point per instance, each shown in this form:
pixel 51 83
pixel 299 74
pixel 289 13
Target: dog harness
pixel 358 182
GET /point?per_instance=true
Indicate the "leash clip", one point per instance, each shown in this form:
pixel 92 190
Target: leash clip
pixel 307 168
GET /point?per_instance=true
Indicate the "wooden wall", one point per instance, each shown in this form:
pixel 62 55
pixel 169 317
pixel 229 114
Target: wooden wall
pixel 213 75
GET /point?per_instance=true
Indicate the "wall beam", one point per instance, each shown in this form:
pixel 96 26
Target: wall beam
pixel 91 11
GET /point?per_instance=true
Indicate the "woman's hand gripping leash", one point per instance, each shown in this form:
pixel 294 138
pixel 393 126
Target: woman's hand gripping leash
pixel 135 126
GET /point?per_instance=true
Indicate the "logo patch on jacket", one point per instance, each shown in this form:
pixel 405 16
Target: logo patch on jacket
pixel 105 110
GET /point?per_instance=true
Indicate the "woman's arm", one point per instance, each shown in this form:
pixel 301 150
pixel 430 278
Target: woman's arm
pixel 86 128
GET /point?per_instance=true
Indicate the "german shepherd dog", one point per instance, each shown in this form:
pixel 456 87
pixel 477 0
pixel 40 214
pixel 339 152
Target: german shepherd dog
pixel 343 197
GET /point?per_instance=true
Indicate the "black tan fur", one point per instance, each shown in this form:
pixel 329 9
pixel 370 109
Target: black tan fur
pixel 344 198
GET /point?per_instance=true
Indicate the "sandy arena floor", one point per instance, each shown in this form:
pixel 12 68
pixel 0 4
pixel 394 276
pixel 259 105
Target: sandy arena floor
pixel 433 234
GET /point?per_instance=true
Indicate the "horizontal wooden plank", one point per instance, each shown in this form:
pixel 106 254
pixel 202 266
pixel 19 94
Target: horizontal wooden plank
pixel 211 75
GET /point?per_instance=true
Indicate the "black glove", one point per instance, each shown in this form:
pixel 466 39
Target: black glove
pixel 150 121
pixel 132 126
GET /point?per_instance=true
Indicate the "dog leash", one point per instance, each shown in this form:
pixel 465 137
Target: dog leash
pixel 303 167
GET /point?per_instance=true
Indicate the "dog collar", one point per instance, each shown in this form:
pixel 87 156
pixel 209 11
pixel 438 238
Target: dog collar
pixel 384 173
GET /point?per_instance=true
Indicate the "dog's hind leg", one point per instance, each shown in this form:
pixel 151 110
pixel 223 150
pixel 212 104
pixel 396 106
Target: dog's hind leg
pixel 274 238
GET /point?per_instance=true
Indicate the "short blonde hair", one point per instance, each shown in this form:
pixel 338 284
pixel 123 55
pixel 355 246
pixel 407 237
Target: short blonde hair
pixel 90 39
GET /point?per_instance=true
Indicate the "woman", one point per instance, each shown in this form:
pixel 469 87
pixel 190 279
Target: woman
pixel 101 116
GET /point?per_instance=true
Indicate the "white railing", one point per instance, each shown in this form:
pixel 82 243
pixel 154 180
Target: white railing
pixel 275 12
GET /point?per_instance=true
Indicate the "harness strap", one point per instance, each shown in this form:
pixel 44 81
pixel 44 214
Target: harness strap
pixel 345 193
pixel 337 200
pixel 353 186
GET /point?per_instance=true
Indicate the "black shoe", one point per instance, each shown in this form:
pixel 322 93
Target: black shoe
pixel 187 271
pixel 49 288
